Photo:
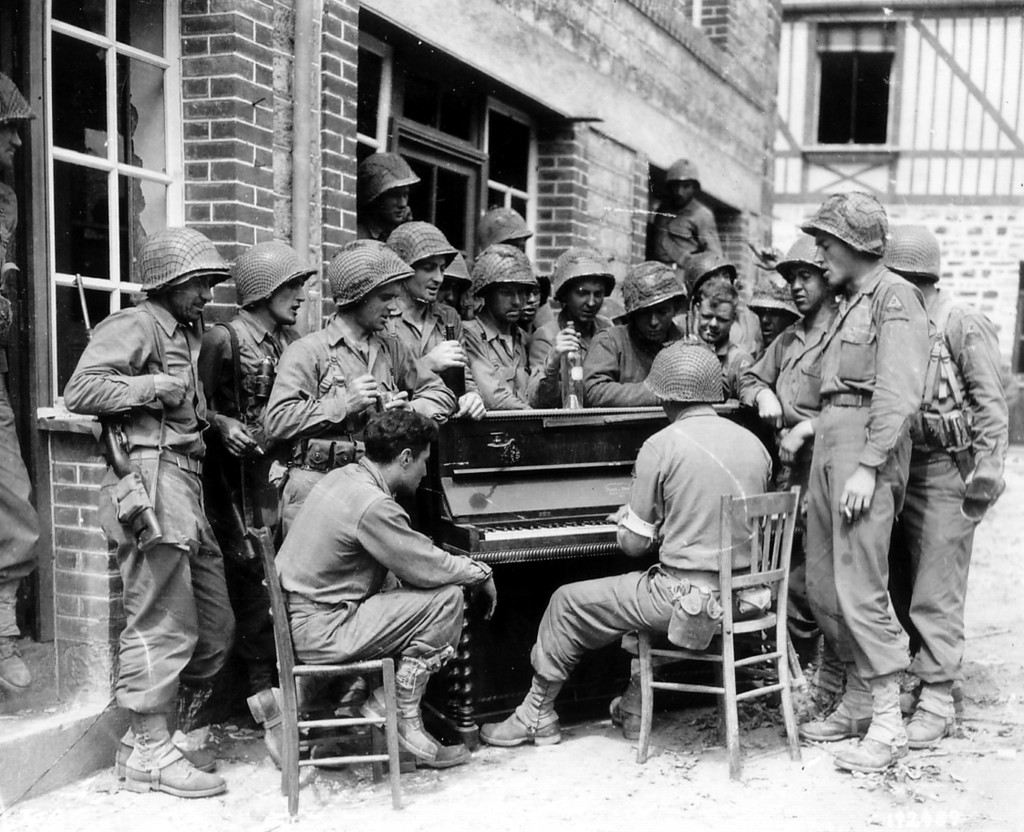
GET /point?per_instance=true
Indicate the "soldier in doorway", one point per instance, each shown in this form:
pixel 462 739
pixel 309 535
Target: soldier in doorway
pixel 382 185
pixel 683 225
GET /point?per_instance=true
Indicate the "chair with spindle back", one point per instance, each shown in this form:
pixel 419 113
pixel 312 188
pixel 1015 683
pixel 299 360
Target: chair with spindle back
pixel 772 518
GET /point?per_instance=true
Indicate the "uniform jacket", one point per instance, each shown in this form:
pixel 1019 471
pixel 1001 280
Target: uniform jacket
pixel 735 362
pixel 546 386
pixel 615 368
pixel 499 364
pixel 691 230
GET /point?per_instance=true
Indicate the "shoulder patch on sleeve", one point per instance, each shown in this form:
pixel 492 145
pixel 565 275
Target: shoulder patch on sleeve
pixel 895 309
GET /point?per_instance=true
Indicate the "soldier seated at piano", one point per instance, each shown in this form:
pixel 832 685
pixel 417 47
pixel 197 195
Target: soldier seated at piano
pixel 620 357
pixel 349 533
pixel 430 330
pixel 496 347
pixel 673 513
pixel 331 381
pixel 581 280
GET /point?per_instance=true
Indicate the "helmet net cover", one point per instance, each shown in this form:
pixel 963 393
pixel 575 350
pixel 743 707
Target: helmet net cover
pixel 362 266
pixel 13 105
pixel 913 250
pixel 502 263
pixel 577 263
pixel 458 269
pixel 173 255
pixel 856 218
pixel 802 253
pixel 773 293
pixel 686 371
pixel 415 241
pixel 264 268
pixel 648 284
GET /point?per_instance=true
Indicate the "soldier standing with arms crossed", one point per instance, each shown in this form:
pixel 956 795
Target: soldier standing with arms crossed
pixel 872 375
pixel 141 364
pixel 956 472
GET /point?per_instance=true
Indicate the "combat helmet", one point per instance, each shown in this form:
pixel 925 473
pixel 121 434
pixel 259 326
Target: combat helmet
pixel 682 170
pixel 578 262
pixel 415 241
pixel 856 218
pixel 380 172
pixel 502 263
pixel 773 293
pixel 686 371
pixel 648 284
pixel 264 268
pixel 458 269
pixel 801 253
pixel 913 251
pixel 701 265
pixel 362 266
pixel 174 255
pixel 501 225
pixel 13 106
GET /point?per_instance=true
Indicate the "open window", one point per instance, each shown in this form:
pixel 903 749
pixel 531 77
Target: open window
pixel 855 73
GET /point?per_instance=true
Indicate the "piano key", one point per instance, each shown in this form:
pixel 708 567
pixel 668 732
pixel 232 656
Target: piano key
pixel 582 530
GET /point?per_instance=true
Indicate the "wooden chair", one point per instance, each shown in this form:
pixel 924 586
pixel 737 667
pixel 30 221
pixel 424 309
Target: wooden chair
pixel 773 520
pixel 290 673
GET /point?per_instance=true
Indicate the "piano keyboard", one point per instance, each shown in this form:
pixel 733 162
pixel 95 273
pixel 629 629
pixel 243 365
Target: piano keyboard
pixel 531 532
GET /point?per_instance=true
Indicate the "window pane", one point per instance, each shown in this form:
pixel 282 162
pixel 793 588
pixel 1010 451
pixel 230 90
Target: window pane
pixel 371 67
pixel 140 23
pixel 456 116
pixel 71 332
pixel 450 208
pixel 509 149
pixel 140 114
pixel 519 204
pixel 85 14
pixel 81 234
pixel 495 199
pixel 79 106
pixel 871 115
pixel 143 211
pixel 421 100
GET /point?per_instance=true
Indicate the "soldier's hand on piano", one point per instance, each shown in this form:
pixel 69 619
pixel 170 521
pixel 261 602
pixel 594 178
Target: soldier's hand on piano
pixel 490 592
pixel 471 405
pixel 169 389
pixel 769 408
pixel 234 436
pixel 446 355
pixel 617 516
pixel 361 393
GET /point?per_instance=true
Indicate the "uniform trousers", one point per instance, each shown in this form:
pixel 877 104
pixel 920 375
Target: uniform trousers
pixel 588 615
pixel 19 525
pixel 799 614
pixel 848 563
pixel 414 623
pixel 297 486
pixel 931 557
pixel 180 624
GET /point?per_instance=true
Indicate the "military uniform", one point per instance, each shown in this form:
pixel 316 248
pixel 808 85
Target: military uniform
pixel 377 174
pixel 689 231
pixel 499 364
pixel 735 362
pixel 545 388
pixel 615 368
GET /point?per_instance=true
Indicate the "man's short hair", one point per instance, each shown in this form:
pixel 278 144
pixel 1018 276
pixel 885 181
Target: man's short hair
pixel 389 433
pixel 722 294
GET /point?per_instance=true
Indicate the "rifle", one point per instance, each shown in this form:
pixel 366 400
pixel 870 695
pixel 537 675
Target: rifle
pixel 134 506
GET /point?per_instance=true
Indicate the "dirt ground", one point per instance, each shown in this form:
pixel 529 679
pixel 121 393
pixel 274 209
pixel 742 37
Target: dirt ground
pixel 591 781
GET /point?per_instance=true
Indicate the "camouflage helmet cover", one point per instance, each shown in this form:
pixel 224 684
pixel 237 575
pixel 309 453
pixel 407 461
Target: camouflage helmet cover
pixel 174 255
pixel 578 262
pixel 801 253
pixel 415 241
pixel 381 172
pixel 687 372
pixel 701 265
pixel 648 284
pixel 773 293
pixel 13 106
pixel 502 263
pixel 856 218
pixel 682 170
pixel 362 266
pixel 501 225
pixel 264 268
pixel 913 251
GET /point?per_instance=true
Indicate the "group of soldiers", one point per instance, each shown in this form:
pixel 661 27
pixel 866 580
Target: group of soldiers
pixel 883 396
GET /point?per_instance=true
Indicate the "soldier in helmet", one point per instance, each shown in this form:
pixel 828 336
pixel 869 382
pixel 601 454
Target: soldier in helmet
pixel 496 347
pixel 959 437
pixel 872 375
pixel 382 184
pixel 683 225
pixel 582 279
pixel 502 225
pixel 423 323
pixel 236 367
pixel 707 272
pixel 331 381
pixel 774 307
pixel 620 357
pixel 141 366
pixel 455 285
pixel 784 385
pixel 681 474
pixel 19 525
pixel 714 317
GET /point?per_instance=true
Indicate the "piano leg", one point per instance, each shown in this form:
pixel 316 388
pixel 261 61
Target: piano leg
pixel 461 707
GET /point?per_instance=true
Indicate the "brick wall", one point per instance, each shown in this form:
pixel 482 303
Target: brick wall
pixel 610 196
pixel 86 582
pixel 982 248
pixel 562 186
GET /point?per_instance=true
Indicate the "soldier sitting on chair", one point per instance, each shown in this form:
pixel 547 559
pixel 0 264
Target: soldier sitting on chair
pixel 674 506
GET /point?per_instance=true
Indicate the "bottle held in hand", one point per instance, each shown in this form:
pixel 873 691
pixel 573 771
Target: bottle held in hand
pixel 572 378
pixel 454 377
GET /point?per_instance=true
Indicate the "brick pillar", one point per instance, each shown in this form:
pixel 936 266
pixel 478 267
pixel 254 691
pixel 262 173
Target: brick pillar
pixel 562 183
pixel 228 101
pixel 87 584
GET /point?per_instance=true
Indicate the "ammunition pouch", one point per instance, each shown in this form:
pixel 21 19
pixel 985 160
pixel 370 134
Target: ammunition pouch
pixel 325 455
pixel 951 431
pixel 135 510
pixel 696 615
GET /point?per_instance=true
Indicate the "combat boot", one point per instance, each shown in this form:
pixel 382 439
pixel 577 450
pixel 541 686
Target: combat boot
pixel 886 740
pixel 14 673
pixel 155 764
pixel 533 721
pixel 411 679
pixel 201 758
pixel 851 718
pixel 934 717
pixel 625 710
pixel 265 708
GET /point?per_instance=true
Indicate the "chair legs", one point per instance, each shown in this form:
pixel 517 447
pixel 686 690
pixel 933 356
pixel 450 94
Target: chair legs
pixel 646 696
pixel 732 721
pixel 788 712
pixel 391 732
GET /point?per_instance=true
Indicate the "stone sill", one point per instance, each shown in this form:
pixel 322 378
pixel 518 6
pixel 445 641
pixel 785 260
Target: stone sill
pixel 58 419
pixel 850 153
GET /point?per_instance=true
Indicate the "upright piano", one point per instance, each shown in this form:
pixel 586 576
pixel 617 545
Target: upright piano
pixel 529 492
